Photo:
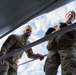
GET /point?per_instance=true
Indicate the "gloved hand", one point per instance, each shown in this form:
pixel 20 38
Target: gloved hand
pixel 62 25
pixel 50 30
pixel 40 56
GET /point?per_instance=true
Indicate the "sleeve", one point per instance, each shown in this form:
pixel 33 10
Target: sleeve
pixel 50 30
pixel 30 53
pixel 7 44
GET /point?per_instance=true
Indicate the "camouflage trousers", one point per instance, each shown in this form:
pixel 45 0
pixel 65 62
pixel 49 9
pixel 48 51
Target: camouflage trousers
pixel 66 57
pixel 7 69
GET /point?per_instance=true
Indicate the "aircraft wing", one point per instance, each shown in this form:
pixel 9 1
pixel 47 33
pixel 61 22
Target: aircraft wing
pixel 14 13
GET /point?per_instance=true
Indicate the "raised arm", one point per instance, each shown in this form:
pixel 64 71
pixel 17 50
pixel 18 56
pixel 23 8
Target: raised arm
pixel 32 55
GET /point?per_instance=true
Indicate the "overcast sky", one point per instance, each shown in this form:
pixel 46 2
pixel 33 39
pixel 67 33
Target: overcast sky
pixel 40 25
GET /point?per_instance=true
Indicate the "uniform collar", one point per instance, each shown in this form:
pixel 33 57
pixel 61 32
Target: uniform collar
pixel 24 37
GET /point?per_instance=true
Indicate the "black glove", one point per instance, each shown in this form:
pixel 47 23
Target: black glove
pixel 40 56
pixel 50 30
pixel 62 25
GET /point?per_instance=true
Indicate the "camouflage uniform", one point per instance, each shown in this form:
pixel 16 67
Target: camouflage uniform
pixel 61 51
pixel 12 43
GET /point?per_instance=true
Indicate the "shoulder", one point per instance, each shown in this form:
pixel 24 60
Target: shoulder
pixel 13 36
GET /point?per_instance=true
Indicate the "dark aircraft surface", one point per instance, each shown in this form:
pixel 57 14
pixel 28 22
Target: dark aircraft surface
pixel 14 13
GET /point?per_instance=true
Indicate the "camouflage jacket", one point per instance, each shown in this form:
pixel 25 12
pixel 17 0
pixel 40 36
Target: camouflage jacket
pixel 14 42
pixel 66 40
